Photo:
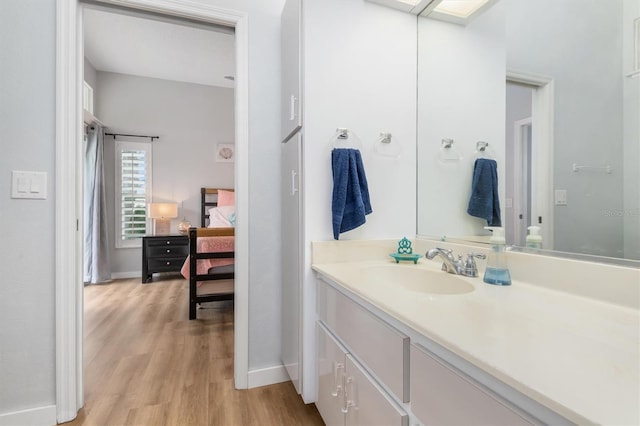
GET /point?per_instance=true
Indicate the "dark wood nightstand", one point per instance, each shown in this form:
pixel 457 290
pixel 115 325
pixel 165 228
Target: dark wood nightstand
pixel 163 253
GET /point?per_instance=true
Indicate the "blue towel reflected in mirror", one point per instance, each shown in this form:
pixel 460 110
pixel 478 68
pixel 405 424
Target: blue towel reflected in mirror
pixel 484 202
pixel 350 200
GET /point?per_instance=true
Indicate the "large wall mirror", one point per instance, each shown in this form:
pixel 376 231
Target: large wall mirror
pixel 551 88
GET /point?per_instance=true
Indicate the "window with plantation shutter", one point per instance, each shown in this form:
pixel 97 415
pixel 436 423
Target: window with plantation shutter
pixel 133 192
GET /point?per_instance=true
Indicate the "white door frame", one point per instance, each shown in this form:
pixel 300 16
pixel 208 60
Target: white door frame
pixel 541 150
pixel 68 188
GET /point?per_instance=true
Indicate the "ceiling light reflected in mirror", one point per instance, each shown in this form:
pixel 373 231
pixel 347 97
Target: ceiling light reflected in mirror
pixel 459 8
pixel 456 11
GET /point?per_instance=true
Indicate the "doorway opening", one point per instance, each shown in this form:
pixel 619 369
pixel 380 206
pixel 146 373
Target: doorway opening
pixel 518 141
pixel 179 87
pixel 529 153
pixel 69 200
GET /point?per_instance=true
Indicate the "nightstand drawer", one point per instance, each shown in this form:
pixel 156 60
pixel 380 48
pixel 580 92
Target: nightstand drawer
pixel 168 242
pixel 168 251
pixel 166 265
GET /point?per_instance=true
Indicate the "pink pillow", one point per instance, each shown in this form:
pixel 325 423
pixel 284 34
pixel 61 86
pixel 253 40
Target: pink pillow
pixel 226 198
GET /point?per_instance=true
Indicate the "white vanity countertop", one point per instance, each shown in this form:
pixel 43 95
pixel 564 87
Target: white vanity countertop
pixel 577 356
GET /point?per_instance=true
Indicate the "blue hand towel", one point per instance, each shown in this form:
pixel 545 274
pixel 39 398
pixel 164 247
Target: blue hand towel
pixel 484 202
pixel 350 201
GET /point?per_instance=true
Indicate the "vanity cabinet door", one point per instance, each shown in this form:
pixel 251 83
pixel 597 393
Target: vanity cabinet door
pixel 441 395
pixel 347 394
pixel 291 230
pixel 367 403
pixel 331 367
pixel 290 43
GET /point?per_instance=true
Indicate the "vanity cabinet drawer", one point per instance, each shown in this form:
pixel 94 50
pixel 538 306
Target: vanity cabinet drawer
pixel 441 395
pixel 384 350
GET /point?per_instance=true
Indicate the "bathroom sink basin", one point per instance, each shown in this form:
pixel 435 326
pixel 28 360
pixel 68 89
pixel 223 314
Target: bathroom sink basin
pixel 415 279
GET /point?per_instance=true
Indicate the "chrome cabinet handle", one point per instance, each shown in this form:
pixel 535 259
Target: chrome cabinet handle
pixel 337 381
pixel 348 396
pixel 293 182
pixel 292 108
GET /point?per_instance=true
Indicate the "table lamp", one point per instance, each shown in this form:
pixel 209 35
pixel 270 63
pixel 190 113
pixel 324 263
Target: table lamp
pixel 162 213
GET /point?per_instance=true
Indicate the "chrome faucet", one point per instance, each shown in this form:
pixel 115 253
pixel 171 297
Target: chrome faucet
pixel 455 266
pixel 449 263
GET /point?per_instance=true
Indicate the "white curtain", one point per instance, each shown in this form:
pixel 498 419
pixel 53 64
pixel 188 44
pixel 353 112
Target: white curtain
pixel 97 267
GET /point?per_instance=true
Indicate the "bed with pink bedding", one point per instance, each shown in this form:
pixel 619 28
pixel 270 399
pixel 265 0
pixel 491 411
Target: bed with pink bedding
pixel 210 265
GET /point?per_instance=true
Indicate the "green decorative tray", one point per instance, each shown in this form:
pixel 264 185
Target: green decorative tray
pixel 406 257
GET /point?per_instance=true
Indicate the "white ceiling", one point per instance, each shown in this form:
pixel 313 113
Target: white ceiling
pixel 119 43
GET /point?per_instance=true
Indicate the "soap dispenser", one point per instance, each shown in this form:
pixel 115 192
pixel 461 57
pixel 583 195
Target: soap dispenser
pixel 497 272
pixel 534 239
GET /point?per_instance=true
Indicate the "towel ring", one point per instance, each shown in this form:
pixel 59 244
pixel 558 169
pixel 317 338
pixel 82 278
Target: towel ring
pixel 385 148
pixel 345 138
pixel 483 150
pixel 448 153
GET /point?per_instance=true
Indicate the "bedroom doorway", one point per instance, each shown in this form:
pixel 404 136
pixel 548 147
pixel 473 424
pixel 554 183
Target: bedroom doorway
pixel 69 305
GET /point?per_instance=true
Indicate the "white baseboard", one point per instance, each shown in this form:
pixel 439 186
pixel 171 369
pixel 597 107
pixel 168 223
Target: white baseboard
pixel 41 416
pixel 123 275
pixel 267 376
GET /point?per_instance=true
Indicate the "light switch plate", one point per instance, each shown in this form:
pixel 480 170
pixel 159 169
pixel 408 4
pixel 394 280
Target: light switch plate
pixel 508 203
pixel 561 197
pixel 32 185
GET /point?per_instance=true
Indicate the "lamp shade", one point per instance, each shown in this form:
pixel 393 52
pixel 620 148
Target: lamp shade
pixel 163 210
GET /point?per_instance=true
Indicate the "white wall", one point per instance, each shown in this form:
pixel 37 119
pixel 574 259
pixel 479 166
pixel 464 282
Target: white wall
pixel 578 55
pixel 359 73
pixel 27 139
pixel 264 178
pixel 631 135
pixel 90 76
pixel 190 120
pixel 461 96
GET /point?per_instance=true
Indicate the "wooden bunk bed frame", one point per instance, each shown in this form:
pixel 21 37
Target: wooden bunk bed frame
pixel 194 256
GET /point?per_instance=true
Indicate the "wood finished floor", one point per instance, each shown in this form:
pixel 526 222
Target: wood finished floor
pixel 145 363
